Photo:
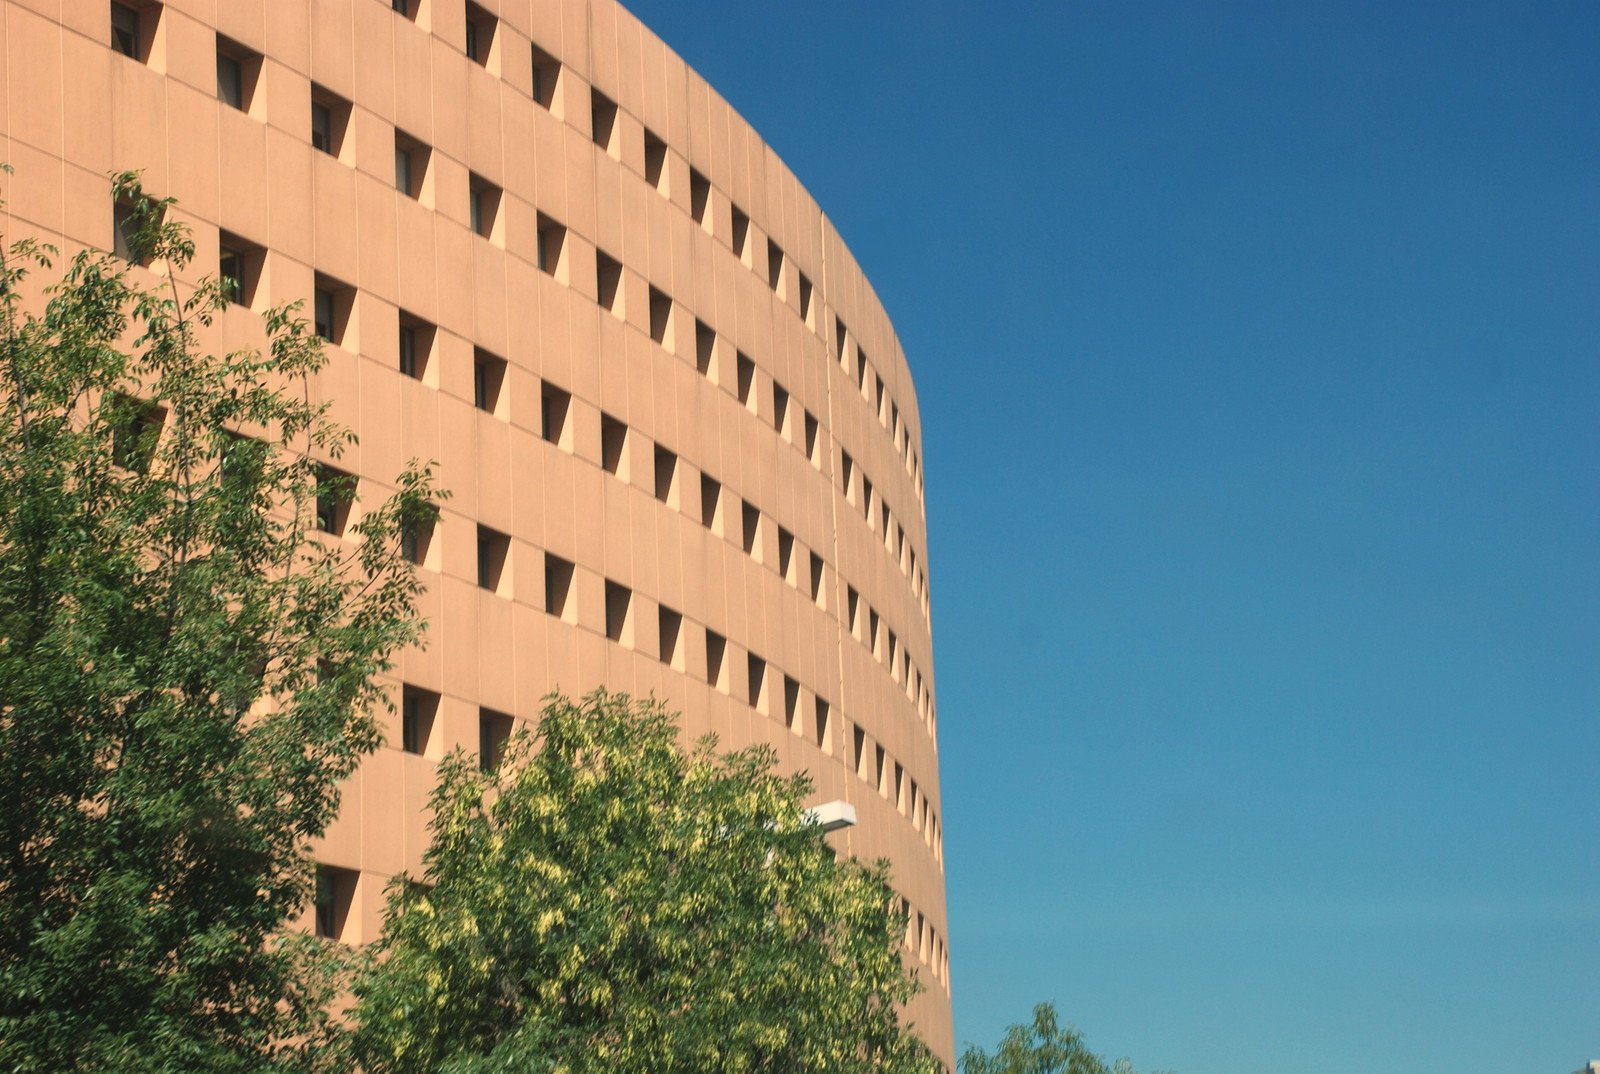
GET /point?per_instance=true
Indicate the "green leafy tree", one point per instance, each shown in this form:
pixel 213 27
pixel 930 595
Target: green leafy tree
pixel 186 666
pixel 1044 1047
pixel 604 900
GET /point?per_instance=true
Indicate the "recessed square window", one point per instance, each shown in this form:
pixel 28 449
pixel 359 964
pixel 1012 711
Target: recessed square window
pixel 133 28
pixel 711 504
pixel 330 119
pixel 418 709
pixel 494 553
pixel 333 309
pixel 483 205
pixel 822 727
pixel 705 346
pixel 135 431
pixel 716 660
pixel 816 579
pixel 494 730
pixel 872 629
pixel 415 539
pixel 756 682
pixel 240 263
pixel 558 588
pixel 238 71
pixel 813 441
pixel 852 601
pixel 847 475
pixel 775 267
pixel 614 446
pixel 741 234
pixel 866 498
pixel 791 705
pixel 488 374
pixel 666 476
pixel 619 606
pixel 408 8
pixel 661 317
pixel 240 465
pixel 805 298
pixel 655 161
pixel 480 27
pixel 841 341
pixel 608 282
pixel 554 405
pixel 411 160
pixel 861 372
pixel 785 553
pixel 669 625
pixel 552 239
pixel 335 493
pixel 700 199
pixel 603 121
pixel 335 895
pixel 750 519
pixel 125 233
pixel 416 337
pixel 747 379
pixel 780 409
pixel 883 400
pixel 546 77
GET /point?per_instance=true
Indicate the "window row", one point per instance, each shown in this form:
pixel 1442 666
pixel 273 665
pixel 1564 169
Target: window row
pixel 765 689
pixel 873 390
pixel 880 517
pixel 335 911
pixel 879 770
pixel 923 941
pixel 873 631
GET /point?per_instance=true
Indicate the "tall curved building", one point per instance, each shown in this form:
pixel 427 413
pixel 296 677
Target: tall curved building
pixel 682 439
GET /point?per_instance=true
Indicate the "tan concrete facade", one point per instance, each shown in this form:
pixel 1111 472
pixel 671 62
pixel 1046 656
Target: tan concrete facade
pixel 681 436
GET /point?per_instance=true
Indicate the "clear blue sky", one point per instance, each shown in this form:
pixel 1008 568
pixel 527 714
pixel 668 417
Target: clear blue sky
pixel 1258 351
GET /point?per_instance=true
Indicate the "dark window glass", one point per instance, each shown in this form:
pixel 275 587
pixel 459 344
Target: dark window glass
pixel 133 442
pixel 325 897
pixel 321 127
pixel 125 30
pixel 402 171
pixel 408 350
pixel 230 267
pixel 323 314
pixel 230 81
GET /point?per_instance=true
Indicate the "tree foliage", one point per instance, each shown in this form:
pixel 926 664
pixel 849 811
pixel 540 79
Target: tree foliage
pixel 605 901
pixel 186 666
pixel 1044 1047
